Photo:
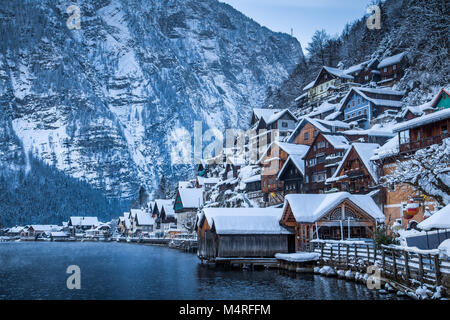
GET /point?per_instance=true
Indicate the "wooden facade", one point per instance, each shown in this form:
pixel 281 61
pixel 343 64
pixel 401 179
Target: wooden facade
pixel 345 220
pixel 353 175
pixel 321 161
pixel 212 245
pixel 292 177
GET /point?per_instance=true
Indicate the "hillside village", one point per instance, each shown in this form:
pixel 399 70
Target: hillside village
pixel 348 148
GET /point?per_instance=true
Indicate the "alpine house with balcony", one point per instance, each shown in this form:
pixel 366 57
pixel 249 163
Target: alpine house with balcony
pixel 362 105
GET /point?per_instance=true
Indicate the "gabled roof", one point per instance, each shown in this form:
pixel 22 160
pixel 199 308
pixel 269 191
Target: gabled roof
pixel 369 132
pixel 274 117
pixel 289 148
pixel 365 152
pixel 423 120
pixel 389 61
pixel 159 203
pixel 333 71
pixel 144 219
pixel 297 161
pixel 337 141
pixel 310 208
pixel 438 96
pixel 324 107
pixel 202 180
pixel 243 220
pixel 360 66
pixel 390 148
pixel 379 102
pixel 264 113
pixel 439 220
pixel 191 198
pixel 84 221
pixel 323 126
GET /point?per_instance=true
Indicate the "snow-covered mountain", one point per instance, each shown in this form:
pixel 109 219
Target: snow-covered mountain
pixel 102 102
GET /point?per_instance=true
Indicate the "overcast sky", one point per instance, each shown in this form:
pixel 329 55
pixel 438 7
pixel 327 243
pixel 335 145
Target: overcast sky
pixel 304 16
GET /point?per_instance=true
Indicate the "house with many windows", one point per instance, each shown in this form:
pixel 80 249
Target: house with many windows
pixel 308 129
pixel 322 159
pixel 362 105
pixel 392 69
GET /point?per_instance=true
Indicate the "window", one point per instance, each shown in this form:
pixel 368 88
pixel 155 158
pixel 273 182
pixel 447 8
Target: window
pixel 365 111
pixel 444 129
pixel 366 78
pixel 353 103
pixel 394 67
pixel 306 136
pixel 404 136
pixel 385 69
pixel 316 133
pixel 359 112
pixel 359 101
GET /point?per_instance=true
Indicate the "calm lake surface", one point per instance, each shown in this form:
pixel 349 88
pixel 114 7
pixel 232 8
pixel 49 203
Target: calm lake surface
pixel 37 270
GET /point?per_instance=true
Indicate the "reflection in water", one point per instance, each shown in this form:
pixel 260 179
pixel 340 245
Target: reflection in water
pixel 34 270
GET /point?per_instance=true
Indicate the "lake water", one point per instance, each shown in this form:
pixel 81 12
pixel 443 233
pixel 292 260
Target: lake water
pixel 37 270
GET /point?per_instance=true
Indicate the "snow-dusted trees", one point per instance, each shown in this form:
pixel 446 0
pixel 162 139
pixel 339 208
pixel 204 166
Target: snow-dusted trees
pixel 428 171
pixel 188 222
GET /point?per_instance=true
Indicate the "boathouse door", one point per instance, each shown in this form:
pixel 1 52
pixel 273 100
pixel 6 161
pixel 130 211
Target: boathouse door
pixel 291 243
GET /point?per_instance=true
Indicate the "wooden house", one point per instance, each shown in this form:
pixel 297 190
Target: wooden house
pixel 325 110
pixel 423 132
pixel 141 222
pixel 442 100
pixel 14 231
pixel 365 72
pixel 308 129
pixel 322 159
pixel 356 173
pixel 273 160
pixel 328 81
pixel 187 203
pixel 158 211
pixel 81 224
pixel 362 105
pixel 335 216
pixel 206 183
pixel 124 224
pixel 392 69
pixel 39 230
pixel 225 233
pixel 292 174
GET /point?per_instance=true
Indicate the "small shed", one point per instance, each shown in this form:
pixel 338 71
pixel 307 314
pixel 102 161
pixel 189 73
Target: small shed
pixel 242 233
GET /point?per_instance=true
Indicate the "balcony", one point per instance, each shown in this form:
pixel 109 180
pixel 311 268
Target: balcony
pixel 360 117
pixel 412 146
pixel 354 174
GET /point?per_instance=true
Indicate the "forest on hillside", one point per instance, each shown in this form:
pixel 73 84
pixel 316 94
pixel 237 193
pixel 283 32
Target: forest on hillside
pixel 44 195
pixel 419 28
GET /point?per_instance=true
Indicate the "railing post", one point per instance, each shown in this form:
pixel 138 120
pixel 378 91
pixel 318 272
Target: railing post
pixel 321 249
pixel 394 261
pixel 437 270
pixel 348 253
pixel 374 254
pixel 339 253
pixel 383 257
pixel 368 254
pixel 356 253
pixel 405 253
pixel 331 255
pixel 421 268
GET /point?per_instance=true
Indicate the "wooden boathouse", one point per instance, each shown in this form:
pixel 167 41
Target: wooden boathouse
pixel 226 234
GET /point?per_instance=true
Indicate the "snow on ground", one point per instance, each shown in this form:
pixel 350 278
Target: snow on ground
pixel 298 257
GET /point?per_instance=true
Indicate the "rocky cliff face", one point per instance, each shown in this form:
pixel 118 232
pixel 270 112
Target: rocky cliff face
pixel 105 102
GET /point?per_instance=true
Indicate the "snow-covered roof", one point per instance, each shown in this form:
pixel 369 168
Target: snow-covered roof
pixel 370 132
pixel 202 180
pixel 338 72
pixel 15 229
pixel 379 102
pixel 289 148
pixel 45 227
pixel 423 120
pixel 244 220
pixel 360 66
pixel 84 221
pixel 365 152
pixel 298 162
pixel 389 61
pixel 274 117
pixel 160 203
pixel 191 198
pixel 390 148
pixel 184 184
pixel 323 126
pixel 254 178
pixel 337 141
pixel 144 219
pixel 439 220
pixel 324 107
pixel 298 256
pixel 309 85
pixel 333 116
pixel 265 114
pixel 168 209
pixel 310 208
pixel 59 234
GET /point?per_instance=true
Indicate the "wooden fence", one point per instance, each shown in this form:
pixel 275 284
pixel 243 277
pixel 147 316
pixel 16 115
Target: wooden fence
pixel 406 266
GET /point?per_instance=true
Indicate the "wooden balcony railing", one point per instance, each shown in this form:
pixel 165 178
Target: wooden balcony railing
pixel 422 143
